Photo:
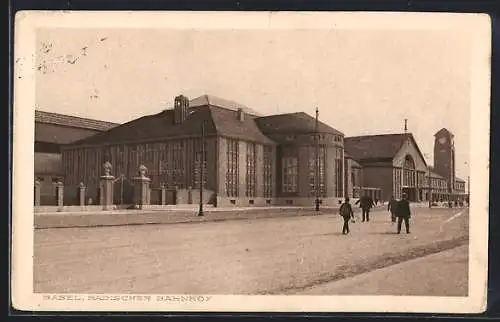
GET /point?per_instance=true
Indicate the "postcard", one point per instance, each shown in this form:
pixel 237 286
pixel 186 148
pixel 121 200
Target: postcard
pixel 250 161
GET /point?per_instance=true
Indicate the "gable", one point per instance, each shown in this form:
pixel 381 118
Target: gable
pixel 409 147
pixel 373 148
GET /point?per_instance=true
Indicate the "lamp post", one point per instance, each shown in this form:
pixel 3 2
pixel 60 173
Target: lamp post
pixel 317 161
pixel 430 189
pixel 468 191
pixel 202 161
pixel 429 183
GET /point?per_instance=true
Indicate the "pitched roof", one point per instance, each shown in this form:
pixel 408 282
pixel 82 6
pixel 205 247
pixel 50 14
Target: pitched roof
pixel 50 133
pixel 376 147
pixel 160 126
pixel 459 179
pixel 211 100
pixel 72 121
pixel 227 124
pixel 436 175
pixel 299 122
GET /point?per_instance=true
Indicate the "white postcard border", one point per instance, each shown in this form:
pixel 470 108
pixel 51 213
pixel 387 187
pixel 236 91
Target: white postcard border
pixel 26 24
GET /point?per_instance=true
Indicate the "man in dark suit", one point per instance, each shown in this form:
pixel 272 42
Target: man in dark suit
pixel 392 207
pixel 365 203
pixel 404 213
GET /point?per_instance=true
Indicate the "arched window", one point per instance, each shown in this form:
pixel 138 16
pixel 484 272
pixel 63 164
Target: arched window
pixel 409 163
pixel 409 179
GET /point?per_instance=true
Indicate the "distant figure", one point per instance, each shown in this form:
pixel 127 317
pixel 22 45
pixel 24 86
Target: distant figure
pixel 376 201
pixel 403 213
pixel 392 207
pixel 365 203
pixel 346 213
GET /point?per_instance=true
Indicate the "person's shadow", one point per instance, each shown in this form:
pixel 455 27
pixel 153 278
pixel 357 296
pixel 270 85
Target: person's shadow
pixel 337 233
pixel 383 233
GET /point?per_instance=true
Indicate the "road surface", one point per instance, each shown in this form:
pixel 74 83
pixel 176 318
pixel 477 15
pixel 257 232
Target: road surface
pixel 264 256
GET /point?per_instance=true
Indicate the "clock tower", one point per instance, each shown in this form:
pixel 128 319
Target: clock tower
pixel 444 156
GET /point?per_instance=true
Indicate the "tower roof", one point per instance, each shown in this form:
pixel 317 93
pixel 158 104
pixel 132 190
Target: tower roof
pixel 443 131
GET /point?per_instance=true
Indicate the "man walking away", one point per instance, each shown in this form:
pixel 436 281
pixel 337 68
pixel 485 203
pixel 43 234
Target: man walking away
pixel 346 213
pixel 403 213
pixel 392 207
pixel 365 203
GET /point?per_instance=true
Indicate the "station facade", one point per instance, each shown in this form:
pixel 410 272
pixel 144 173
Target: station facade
pixel 249 159
pixel 388 165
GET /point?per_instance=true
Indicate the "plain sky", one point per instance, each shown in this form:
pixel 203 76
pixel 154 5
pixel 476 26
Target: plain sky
pixel 362 81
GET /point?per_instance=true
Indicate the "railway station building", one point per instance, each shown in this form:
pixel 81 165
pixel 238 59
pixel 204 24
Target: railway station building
pixel 249 159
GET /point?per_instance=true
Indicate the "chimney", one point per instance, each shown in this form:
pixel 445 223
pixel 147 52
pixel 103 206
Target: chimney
pixel 181 105
pixel 241 115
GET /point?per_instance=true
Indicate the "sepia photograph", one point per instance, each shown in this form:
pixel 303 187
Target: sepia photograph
pixel 251 161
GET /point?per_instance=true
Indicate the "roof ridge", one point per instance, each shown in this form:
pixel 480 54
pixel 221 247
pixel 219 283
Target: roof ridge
pixel 282 114
pixel 372 135
pixel 75 117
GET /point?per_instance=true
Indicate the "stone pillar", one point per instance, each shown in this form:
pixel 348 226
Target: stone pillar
pixel 101 192
pixel 107 187
pixel 176 195
pixel 37 192
pixel 163 194
pixel 190 195
pixel 141 188
pixel 60 195
pixel 81 193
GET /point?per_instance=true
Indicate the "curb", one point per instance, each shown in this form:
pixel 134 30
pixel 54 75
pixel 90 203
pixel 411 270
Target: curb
pixel 39 224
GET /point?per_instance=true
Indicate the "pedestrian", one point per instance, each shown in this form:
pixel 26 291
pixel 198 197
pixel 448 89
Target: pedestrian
pixel 365 203
pixel 346 213
pixel 403 213
pixel 392 207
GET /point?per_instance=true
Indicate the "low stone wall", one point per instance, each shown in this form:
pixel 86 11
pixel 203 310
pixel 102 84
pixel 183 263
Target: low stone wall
pixel 141 217
pixel 47 209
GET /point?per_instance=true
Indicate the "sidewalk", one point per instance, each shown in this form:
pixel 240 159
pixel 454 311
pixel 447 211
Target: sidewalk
pixel 173 215
pixel 170 216
pixel 440 274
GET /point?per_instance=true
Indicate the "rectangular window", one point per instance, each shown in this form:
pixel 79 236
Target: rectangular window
pixel 250 175
pixel 290 174
pixel 232 168
pixel 197 166
pixel 177 173
pixel 317 158
pixel 339 173
pixel 268 172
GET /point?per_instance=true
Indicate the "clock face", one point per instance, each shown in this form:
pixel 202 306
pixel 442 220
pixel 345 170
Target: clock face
pixel 442 140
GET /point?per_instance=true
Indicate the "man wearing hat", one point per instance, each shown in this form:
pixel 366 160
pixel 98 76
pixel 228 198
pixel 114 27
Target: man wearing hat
pixel 403 213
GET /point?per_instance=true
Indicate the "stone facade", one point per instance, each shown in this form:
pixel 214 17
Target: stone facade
pixel 244 162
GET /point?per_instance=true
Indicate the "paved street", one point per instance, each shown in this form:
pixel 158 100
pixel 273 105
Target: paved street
pixel 262 256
